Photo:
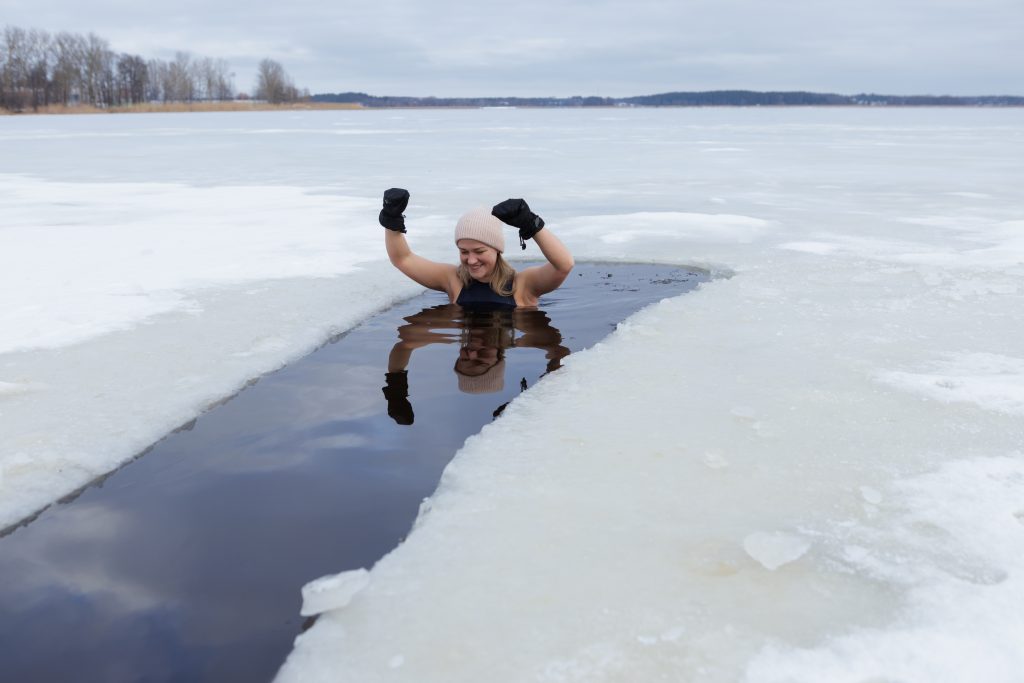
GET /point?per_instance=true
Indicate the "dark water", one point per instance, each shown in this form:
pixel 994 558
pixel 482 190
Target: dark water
pixel 186 564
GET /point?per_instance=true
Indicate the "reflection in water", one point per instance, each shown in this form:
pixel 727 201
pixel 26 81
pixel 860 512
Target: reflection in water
pixel 483 337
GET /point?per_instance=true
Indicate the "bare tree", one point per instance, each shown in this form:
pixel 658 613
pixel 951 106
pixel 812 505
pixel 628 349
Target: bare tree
pixel 273 83
pixel 37 69
pixel 68 59
pixel 37 65
pixel 14 69
pixel 157 84
pixel 132 78
pixel 180 85
pixel 215 78
pixel 24 68
pixel 224 87
pixel 98 75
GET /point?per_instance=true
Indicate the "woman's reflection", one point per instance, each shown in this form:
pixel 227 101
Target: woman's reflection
pixel 483 338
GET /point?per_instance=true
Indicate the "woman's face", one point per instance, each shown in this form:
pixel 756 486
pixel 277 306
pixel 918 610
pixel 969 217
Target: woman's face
pixel 478 258
pixel 475 359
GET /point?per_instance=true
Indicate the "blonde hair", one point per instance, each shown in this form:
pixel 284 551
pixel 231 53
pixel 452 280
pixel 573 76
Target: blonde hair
pixel 501 277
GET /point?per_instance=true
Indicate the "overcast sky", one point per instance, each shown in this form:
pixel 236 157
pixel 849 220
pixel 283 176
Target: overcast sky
pixel 573 47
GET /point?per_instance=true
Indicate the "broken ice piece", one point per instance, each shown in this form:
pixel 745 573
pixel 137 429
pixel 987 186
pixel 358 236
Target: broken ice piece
pixel 332 592
pixel 744 413
pixel 775 549
pixel 873 496
pixel 715 460
pixel 14 388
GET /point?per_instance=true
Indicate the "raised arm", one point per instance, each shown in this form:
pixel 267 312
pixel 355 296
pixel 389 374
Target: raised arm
pixel 548 277
pixel 430 274
pixel 551 275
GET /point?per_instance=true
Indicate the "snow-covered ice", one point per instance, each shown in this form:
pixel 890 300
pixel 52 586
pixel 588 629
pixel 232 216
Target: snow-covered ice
pixel 811 468
pixel 989 380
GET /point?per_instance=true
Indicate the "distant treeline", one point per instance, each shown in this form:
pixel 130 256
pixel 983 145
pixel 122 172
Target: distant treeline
pixel 38 69
pixel 716 98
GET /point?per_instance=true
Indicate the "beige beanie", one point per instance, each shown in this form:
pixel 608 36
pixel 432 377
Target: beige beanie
pixel 491 380
pixel 481 226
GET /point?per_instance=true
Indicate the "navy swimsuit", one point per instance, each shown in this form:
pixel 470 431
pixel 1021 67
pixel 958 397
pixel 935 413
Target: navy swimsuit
pixel 479 296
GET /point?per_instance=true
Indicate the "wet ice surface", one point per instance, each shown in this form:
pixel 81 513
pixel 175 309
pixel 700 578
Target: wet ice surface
pixel 854 387
pixel 185 564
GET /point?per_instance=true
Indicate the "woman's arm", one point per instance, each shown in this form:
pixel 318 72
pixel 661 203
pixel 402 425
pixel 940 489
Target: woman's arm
pixel 550 276
pixel 539 279
pixel 428 273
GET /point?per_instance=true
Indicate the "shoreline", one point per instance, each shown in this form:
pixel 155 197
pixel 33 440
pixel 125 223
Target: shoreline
pixel 179 107
pixel 208 107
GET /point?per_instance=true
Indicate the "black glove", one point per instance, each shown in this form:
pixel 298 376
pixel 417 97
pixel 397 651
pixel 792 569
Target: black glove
pixel 397 394
pixel 395 201
pixel 516 212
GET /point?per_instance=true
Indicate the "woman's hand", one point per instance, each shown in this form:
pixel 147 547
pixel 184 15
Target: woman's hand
pixel 516 212
pixel 395 201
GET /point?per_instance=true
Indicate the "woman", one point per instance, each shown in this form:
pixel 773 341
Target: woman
pixel 483 279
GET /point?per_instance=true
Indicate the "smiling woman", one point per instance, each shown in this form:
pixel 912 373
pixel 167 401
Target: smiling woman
pixel 483 279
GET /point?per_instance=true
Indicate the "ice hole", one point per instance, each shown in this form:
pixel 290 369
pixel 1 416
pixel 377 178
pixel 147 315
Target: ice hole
pixel 187 563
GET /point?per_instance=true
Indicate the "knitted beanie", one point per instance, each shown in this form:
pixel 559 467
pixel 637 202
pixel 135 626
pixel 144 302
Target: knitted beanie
pixel 491 380
pixel 481 226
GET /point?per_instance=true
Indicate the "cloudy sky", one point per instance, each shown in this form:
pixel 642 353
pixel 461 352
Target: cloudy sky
pixel 573 47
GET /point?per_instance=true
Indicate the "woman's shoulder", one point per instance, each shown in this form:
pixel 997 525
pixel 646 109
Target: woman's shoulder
pixel 538 280
pixel 454 283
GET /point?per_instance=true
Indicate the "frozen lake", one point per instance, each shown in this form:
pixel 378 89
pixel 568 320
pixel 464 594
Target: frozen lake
pixel 810 469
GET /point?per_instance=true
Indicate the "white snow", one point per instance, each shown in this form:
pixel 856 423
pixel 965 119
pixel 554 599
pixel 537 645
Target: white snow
pixel 809 469
pixel 990 381
pixel 953 547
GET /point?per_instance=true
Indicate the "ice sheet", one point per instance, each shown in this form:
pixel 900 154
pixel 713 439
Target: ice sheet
pixel 86 259
pixel 763 479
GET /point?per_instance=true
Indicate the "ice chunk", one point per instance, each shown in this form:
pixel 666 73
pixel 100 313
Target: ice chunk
pixel 715 461
pixel 775 549
pixel 14 388
pixel 744 413
pixel 873 496
pixel 332 592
